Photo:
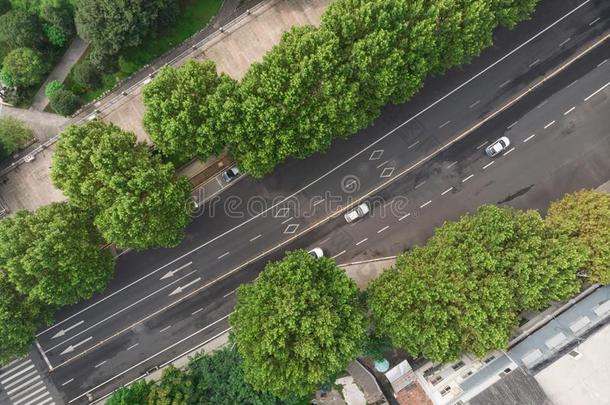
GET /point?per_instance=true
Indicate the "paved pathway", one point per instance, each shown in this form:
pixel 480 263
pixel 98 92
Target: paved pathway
pixel 60 72
pixel 44 125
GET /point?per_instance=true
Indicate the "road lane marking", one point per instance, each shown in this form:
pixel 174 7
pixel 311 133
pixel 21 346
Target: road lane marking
pixel 446 191
pixel 362 241
pixel 223 255
pixel 413 145
pixel 451 165
pixel 132 346
pixel 550 124
pixel 512 125
pixel 602 62
pixel 184 287
pixel 425 204
pixel 164 329
pixel 420 184
pixel 504 84
pixel 565 42
pixel 481 145
pixel 229 293
pixel 383 229
pixel 489 164
pixel 474 104
pixel 256 237
pixel 526 140
pixel 594 21
pixel 509 151
pixel 101 364
pixel 172 272
pixel 404 216
pixel 319 202
pixel 417 115
pixel 71 348
pixel 467 178
pixel 197 311
pixel 569 111
pixel 67 382
pixel 287 220
pixel 338 254
pixel 445 124
pixel 597 91
pixel 543 103
pixel 382 164
pixel 63 331
pixel 534 63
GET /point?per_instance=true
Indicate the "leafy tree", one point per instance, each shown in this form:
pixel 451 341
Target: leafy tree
pixel 64 102
pixel 23 67
pixel 20 317
pixel 297 325
pixel 135 394
pixel 5 5
pixel 510 12
pixel 57 22
pixel 136 199
pixel 86 75
pixel 463 290
pixel 175 388
pixel 585 216
pixel 184 110
pixel 112 25
pixel 54 255
pixel 19 29
pixel 13 134
pixel 53 87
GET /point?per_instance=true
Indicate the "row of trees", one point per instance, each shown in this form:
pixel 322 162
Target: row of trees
pixel 14 135
pixel 321 83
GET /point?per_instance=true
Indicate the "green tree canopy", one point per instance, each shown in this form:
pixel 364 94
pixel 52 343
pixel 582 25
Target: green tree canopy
pixel 23 67
pixel 63 101
pixel 463 290
pixel 297 325
pixel 85 74
pixel 185 110
pixel 585 216
pixel 137 201
pixel 13 135
pixel 19 29
pixel 54 255
pixel 135 394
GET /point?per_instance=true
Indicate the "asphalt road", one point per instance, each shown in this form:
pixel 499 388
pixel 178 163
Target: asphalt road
pixel 164 302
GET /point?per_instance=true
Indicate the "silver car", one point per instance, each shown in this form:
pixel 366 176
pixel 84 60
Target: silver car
pixel 497 147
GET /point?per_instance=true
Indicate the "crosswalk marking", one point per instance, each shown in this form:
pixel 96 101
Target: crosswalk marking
pixel 17 374
pixel 24 384
pixel 17 381
pixel 31 394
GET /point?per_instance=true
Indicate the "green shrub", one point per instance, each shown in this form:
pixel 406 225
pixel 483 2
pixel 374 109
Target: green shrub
pixel 23 67
pixel 86 75
pixel 52 87
pixel 13 134
pixel 64 102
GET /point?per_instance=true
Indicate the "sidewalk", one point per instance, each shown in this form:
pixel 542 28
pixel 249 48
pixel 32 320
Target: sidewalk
pixel 72 55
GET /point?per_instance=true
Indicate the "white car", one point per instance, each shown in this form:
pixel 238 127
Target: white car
pixel 316 253
pixel 357 213
pixel 497 147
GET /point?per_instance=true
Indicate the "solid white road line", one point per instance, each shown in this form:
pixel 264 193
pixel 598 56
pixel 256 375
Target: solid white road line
pixel 413 145
pixel 474 104
pixel 489 164
pixel 101 364
pixel 417 115
pixel 509 151
pixel 597 91
pixel 35 382
pixel 223 255
pixel 383 229
pixel 451 165
pixel 164 329
pixel 602 62
pixel 419 185
pixel 594 21
pixel 481 145
pixel 23 370
pixel 565 42
pixel 404 216
pixel 569 111
pixel 526 140
pixel 444 125
pixel 132 346
pixel 550 124
pixel 467 178
pixel 19 380
pixel 362 241
pixel 425 204
pixel 149 358
pixel 446 191
pixel 67 382
pixel 338 254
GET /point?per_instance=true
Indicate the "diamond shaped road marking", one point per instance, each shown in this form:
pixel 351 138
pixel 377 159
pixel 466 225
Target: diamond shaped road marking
pixel 282 213
pixel 290 229
pixel 387 172
pixel 376 155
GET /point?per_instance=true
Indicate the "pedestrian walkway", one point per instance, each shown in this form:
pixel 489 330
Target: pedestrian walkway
pixel 23 384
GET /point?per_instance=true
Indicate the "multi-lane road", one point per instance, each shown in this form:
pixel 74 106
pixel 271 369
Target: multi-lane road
pixel 545 85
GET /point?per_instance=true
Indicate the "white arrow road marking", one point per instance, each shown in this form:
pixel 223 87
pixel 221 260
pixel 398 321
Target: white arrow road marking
pixel 184 287
pixel 63 331
pixel 71 348
pixel 171 273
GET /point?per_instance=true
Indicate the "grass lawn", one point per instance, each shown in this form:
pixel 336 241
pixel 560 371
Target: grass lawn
pixel 194 15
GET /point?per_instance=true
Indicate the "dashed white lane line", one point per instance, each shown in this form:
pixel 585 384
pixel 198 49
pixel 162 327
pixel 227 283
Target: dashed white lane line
pixel 383 229
pixel 132 346
pixel 550 124
pixel 319 202
pixel 481 145
pixel 569 111
pixel 572 84
pixel 543 103
pixel 446 191
pixel 287 220
pixel 534 63
pixel 512 125
pixel 451 165
pixel 413 145
pixel 404 216
pixel 164 329
pixel 597 91
pixel 509 151
pixel 197 311
pixel 223 255
pixel 228 294
pixel 529 138
pixel 504 84
pixel 420 184
pixel 338 254
pixel 382 164
pixel 425 204
pixel 594 21
pixel 602 62
pixel 474 104
pixel 101 364
pixel 467 178
pixel 565 42
pixel 362 241
pixel 489 164
pixel 67 382
pixel 256 237
pixel 444 124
